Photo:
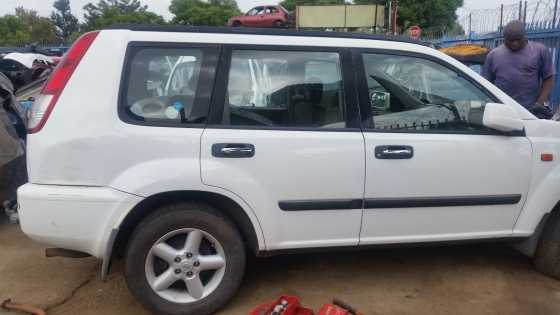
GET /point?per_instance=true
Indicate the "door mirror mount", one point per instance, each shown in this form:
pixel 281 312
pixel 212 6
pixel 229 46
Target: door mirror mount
pixel 502 117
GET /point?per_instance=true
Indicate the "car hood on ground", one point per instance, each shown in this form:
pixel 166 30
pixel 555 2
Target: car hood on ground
pixel 28 59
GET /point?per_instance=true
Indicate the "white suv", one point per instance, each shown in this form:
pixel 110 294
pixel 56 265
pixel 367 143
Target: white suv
pixel 183 149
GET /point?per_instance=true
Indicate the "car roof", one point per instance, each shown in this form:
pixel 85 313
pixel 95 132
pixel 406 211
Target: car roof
pixel 259 31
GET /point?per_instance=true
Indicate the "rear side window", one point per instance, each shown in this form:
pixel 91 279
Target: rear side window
pixel 168 85
pixel 285 89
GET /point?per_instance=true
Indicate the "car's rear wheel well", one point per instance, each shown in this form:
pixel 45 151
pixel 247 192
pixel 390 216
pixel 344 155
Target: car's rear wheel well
pixel 224 204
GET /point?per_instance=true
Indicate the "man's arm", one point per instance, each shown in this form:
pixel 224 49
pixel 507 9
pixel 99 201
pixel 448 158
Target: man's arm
pixel 487 71
pixel 546 88
pixel 547 72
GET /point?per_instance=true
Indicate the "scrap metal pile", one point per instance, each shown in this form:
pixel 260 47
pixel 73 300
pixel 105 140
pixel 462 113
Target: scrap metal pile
pixel 468 53
pixel 21 78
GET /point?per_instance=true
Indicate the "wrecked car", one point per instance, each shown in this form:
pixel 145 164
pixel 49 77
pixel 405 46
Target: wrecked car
pixel 13 171
pixel 24 68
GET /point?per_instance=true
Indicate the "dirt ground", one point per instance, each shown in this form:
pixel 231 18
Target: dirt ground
pixel 475 279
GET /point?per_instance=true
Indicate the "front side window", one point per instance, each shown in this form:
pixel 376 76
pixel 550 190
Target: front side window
pixel 409 93
pixel 256 11
pixel 162 86
pixel 285 89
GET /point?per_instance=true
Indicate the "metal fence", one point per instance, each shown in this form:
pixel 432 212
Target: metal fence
pixel 52 50
pixel 542 24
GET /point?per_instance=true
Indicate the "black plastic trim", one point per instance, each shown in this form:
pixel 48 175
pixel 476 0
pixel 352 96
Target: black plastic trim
pixel 259 31
pixel 332 204
pixel 385 203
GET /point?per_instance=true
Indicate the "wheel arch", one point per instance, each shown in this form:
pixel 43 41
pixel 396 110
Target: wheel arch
pixel 220 202
pixel 529 246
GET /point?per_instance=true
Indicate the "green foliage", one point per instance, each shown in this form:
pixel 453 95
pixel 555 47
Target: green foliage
pixel 290 5
pixel 198 12
pixel 40 29
pixel 26 27
pixel 108 12
pixel 65 22
pixel 428 13
pixel 13 31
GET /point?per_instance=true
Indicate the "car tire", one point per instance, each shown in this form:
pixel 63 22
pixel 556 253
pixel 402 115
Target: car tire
pixel 236 24
pixel 547 256
pixel 218 236
pixel 278 24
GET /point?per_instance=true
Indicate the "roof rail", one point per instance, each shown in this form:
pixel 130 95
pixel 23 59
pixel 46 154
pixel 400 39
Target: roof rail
pixel 259 31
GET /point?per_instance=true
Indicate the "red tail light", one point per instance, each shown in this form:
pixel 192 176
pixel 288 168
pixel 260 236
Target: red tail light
pixel 45 102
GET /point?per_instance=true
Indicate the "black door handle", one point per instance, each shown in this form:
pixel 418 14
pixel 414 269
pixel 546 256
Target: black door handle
pixel 233 150
pixel 394 152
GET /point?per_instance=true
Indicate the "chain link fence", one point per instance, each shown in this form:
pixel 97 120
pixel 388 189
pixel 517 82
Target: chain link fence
pixel 540 14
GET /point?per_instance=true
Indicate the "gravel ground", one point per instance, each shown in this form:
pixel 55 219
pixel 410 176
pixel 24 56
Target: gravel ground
pixel 474 279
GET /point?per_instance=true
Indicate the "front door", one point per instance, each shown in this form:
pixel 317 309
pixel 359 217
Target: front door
pixel 433 172
pixel 254 17
pixel 285 139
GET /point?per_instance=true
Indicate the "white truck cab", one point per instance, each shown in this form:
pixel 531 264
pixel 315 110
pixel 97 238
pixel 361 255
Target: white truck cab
pixel 186 148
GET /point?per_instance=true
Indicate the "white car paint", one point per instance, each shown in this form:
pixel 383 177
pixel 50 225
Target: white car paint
pixel 88 168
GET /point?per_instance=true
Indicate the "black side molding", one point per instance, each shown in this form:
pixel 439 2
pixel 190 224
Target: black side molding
pixel 332 204
pixel 384 203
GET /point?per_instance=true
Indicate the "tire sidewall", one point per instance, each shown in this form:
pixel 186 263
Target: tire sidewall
pixel 156 226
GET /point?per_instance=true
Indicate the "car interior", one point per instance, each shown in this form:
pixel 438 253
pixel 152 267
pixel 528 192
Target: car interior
pixel 285 92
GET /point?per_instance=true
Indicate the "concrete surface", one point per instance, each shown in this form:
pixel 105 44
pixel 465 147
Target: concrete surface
pixel 475 279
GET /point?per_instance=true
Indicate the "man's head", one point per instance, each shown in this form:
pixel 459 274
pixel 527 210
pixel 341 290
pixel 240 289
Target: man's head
pixel 515 35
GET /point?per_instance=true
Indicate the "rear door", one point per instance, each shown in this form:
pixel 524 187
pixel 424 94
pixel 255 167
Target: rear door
pixel 284 136
pixel 433 172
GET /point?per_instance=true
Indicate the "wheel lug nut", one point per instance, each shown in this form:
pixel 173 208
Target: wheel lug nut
pixel 196 263
pixel 189 255
pixel 189 274
pixel 177 271
pixel 177 259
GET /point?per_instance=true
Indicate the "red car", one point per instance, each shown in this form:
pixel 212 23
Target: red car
pixel 262 16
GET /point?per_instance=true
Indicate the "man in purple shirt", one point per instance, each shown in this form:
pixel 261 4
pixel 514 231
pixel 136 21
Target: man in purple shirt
pixel 522 69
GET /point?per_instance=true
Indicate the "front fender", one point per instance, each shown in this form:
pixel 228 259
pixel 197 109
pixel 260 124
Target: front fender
pixel 544 193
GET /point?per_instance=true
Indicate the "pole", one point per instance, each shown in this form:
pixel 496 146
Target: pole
pixel 555 9
pixel 502 18
pixel 394 4
pixel 525 13
pixel 375 20
pixel 470 26
pixel 520 9
pixel 388 21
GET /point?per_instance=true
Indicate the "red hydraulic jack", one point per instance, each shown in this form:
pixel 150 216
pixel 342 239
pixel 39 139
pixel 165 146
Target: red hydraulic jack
pixel 284 305
pixel 289 305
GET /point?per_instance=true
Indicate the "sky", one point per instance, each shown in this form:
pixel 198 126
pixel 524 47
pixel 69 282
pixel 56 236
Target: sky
pixel 161 6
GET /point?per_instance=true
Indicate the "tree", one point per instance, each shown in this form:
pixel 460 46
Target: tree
pixel 65 22
pixel 198 12
pixel 13 31
pixel 40 29
pixel 428 13
pixel 108 12
pixel 290 5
